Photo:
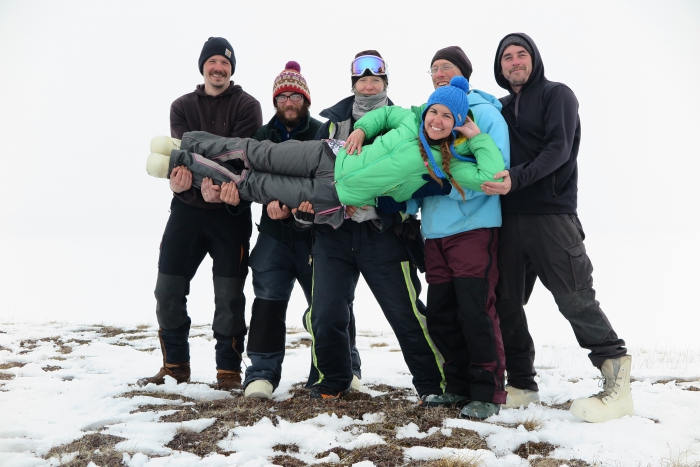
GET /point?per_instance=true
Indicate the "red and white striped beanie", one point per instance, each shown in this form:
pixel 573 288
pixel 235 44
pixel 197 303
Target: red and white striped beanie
pixel 290 80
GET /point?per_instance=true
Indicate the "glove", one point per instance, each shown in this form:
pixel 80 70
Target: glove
pixel 388 205
pixel 432 188
pixel 362 215
pixel 304 218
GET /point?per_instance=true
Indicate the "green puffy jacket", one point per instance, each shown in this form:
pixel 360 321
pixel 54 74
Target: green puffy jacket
pixel 392 164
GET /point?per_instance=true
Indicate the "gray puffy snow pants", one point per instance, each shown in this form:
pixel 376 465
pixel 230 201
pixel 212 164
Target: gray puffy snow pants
pixel 292 172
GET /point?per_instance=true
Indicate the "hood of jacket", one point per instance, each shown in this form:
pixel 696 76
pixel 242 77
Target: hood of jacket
pixel 477 97
pixel 537 73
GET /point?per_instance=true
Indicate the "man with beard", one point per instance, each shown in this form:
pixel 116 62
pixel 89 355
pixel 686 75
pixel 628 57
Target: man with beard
pixel 282 254
pixel 542 237
pixel 200 223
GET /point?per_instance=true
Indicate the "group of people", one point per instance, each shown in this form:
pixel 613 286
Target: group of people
pixel 495 182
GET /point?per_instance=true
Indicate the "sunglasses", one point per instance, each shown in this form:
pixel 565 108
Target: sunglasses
pixel 374 64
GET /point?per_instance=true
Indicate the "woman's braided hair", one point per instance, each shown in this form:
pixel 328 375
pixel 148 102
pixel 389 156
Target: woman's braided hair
pixel 446 160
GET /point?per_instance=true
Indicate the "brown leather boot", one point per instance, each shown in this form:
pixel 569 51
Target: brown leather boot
pixel 227 380
pixel 179 371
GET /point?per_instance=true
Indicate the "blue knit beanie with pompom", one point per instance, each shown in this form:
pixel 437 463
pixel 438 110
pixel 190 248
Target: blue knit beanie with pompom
pixel 454 97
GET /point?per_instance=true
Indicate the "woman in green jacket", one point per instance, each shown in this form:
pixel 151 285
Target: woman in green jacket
pixel 322 172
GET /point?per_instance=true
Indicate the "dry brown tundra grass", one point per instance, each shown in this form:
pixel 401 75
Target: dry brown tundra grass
pixel 397 407
pixel 551 462
pixel 528 449
pixel 96 447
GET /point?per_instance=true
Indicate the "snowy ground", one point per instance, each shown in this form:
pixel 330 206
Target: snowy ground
pixel 61 382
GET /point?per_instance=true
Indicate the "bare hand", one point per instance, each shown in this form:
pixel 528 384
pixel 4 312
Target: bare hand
pixel 210 192
pixel 277 211
pixel 498 188
pixel 229 194
pixel 469 129
pixel 304 207
pixel 354 142
pixel 350 210
pixel 180 179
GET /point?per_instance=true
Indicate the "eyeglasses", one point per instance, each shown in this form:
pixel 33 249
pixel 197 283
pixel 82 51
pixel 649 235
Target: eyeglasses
pixel 294 98
pixel 445 67
pixel 375 65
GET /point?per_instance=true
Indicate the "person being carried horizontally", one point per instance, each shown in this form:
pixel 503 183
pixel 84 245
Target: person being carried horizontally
pixel 325 174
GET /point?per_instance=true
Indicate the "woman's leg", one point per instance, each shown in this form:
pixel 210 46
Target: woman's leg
pixel 307 159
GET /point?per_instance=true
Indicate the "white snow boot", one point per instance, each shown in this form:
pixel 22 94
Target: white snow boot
pixel 520 398
pixel 158 161
pixel 260 389
pixel 157 165
pixel 615 400
pixel 164 144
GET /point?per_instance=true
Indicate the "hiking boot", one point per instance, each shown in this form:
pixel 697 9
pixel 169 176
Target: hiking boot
pixel 179 371
pixel 227 380
pixel 322 392
pixel 445 399
pixel 259 389
pixel 520 398
pixel 615 400
pixel 356 383
pixel 164 144
pixel 478 410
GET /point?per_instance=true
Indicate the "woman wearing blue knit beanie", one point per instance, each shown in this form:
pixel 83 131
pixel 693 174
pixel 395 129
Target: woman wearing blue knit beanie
pixel 461 231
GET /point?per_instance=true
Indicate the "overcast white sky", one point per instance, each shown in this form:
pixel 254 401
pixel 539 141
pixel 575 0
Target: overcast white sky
pixel 84 85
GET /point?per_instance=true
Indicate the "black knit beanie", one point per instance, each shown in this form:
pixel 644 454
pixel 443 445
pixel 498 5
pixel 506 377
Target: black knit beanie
pixel 355 79
pixel 457 57
pixel 217 46
pixel 513 40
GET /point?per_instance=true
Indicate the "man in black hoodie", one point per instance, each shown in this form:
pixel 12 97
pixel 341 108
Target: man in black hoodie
pixel 201 223
pixel 541 235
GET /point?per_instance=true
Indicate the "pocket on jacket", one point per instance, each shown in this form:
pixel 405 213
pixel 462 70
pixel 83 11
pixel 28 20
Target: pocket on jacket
pixel 581 267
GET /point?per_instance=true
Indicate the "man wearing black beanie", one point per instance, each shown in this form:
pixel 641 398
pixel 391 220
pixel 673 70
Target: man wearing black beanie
pixel 448 63
pixel 201 223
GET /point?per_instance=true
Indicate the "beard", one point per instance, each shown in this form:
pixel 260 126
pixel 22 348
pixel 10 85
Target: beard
pixel 302 113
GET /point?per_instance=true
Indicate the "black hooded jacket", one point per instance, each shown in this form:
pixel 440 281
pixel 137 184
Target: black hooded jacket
pixel 545 132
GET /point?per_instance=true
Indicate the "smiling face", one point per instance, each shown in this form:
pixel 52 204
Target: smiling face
pixel 516 66
pixel 369 85
pixel 438 122
pixel 217 74
pixel 442 77
pixel 291 112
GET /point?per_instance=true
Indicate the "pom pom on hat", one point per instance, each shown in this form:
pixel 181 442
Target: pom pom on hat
pixel 292 65
pixel 454 97
pixel 290 80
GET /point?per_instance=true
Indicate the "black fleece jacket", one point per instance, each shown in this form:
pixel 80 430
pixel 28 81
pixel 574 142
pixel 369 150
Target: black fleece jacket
pixel 545 132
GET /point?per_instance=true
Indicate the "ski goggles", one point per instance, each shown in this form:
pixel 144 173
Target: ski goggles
pixel 374 64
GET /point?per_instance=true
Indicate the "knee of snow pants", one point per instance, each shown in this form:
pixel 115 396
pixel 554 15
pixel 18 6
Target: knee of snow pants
pixel 229 314
pixel 171 301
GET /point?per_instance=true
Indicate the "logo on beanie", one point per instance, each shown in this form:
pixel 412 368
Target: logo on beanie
pixel 228 53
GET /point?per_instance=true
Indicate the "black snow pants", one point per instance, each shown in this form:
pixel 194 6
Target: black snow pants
pixel 549 247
